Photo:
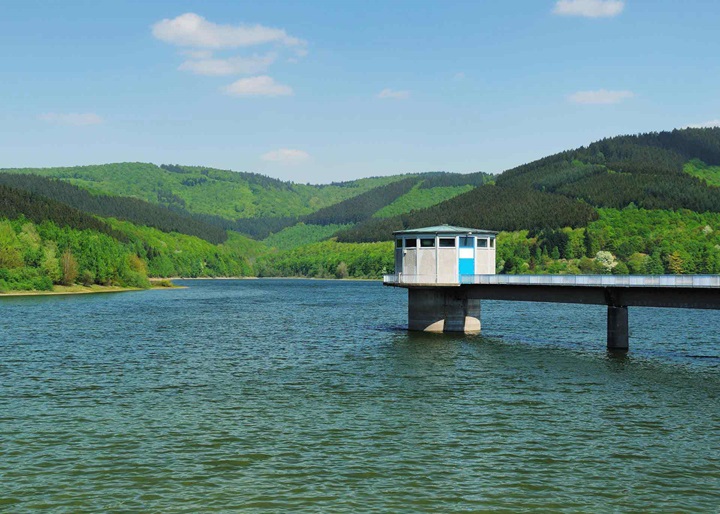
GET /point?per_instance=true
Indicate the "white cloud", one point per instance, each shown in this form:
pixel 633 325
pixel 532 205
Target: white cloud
pixel 257 86
pixel 197 54
pixel 707 124
pixel 589 8
pixel 192 30
pixel 76 119
pixel 601 96
pixel 396 95
pixel 286 156
pixel 229 66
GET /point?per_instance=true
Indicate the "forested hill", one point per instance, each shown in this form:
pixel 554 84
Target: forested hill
pixel 662 170
pixel 45 242
pixel 399 196
pixel 65 226
pixel 224 194
pixel 650 170
pixel 254 204
pixel 122 208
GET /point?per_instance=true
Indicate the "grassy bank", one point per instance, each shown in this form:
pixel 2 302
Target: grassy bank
pixel 92 289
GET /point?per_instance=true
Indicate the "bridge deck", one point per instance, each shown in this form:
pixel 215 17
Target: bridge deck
pixel 641 281
pixel 680 291
pixel 432 304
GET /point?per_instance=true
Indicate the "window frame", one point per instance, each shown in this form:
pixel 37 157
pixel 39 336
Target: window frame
pixel 463 242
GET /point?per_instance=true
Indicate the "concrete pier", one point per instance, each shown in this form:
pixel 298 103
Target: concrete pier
pixel 617 329
pixel 443 310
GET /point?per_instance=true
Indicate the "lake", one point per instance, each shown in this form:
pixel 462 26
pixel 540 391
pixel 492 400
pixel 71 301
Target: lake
pixel 304 395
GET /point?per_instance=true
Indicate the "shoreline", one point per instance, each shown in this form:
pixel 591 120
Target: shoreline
pixel 97 289
pixel 73 290
pixel 279 278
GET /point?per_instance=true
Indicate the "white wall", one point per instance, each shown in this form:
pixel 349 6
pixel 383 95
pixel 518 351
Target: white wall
pixel 447 265
pixel 485 258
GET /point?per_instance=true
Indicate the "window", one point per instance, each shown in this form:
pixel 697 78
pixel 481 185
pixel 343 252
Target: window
pixel 398 243
pixel 447 242
pixel 482 242
pixel 492 242
pixel 410 243
pixel 467 242
pixel 426 242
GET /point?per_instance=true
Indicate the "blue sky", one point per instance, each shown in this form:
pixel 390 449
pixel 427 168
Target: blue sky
pixel 319 91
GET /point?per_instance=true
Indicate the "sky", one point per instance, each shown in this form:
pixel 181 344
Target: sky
pixel 320 91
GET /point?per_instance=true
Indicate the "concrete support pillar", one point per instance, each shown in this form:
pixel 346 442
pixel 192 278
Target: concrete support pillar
pixel 443 310
pixel 617 329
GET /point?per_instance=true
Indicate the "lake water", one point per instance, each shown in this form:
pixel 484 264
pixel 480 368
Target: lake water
pixel 292 395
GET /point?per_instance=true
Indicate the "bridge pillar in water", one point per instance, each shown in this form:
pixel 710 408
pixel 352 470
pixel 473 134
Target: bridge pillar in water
pixel 443 310
pixel 617 329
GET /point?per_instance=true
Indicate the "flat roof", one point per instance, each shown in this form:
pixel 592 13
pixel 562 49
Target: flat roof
pixel 444 229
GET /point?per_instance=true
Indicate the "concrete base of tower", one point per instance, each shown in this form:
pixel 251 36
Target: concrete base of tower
pixel 432 310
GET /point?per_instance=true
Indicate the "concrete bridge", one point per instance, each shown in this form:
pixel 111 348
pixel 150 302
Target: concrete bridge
pixel 455 306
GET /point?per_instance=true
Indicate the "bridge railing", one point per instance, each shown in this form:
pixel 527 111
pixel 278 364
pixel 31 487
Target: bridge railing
pixel 401 278
pixel 699 281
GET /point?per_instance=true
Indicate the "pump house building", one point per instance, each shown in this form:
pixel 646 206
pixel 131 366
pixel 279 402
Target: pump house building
pixel 443 254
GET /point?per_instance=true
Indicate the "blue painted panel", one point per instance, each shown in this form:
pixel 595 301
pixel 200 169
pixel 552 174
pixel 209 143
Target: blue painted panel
pixel 467 267
pixel 466 257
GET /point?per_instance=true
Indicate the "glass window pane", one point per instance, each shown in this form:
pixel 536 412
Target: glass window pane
pixel 482 243
pixel 410 243
pixel 398 243
pixel 427 242
pixel 447 242
pixel 492 242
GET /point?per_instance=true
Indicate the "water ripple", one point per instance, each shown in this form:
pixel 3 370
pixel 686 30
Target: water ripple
pixel 309 396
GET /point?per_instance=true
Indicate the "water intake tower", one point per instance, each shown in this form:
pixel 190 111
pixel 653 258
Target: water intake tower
pixel 442 256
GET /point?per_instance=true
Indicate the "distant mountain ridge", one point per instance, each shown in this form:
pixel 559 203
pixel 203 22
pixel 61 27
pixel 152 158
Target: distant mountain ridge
pixel 661 170
pixel 226 194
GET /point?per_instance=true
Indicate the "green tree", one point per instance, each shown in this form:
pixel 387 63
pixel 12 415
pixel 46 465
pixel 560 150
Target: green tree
pixel 50 263
pixel 655 265
pixel 69 268
pixel 637 263
pixel 620 269
pixel 342 270
pixel 675 263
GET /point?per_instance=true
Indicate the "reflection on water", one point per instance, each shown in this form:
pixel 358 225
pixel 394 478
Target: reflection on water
pixel 304 395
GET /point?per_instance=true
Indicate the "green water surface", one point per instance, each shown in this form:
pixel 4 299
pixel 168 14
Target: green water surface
pixel 308 396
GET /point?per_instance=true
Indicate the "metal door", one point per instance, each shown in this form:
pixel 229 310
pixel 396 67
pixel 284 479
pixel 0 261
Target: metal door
pixel 466 257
